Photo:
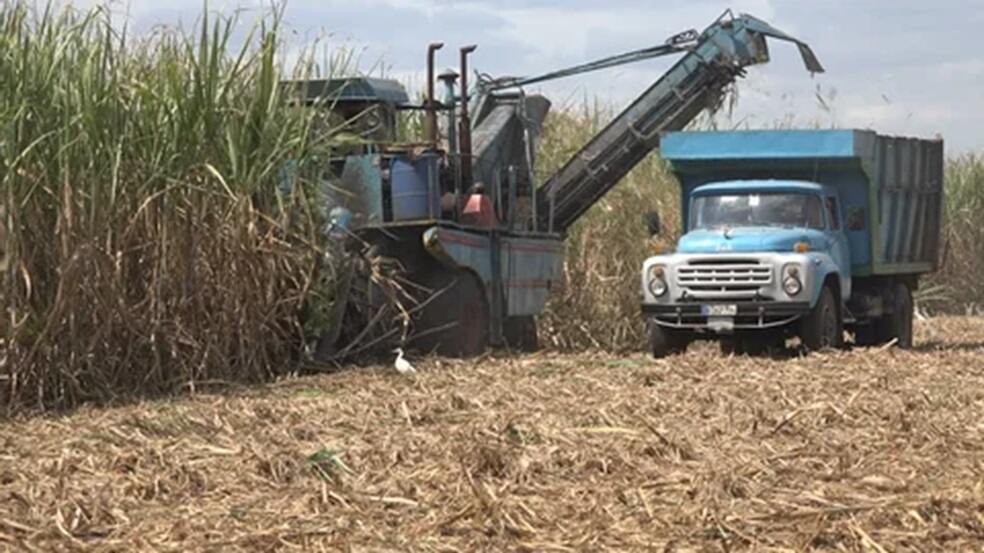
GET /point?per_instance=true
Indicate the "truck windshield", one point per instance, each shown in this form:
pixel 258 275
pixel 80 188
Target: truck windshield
pixel 790 210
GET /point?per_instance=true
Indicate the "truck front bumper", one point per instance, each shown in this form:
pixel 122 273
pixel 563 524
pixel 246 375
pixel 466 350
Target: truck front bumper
pixel 749 315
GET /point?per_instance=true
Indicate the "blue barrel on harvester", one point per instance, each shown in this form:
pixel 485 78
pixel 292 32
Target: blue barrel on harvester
pixel 414 186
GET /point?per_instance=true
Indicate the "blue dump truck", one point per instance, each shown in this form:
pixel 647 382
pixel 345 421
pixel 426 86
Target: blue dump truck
pixel 788 234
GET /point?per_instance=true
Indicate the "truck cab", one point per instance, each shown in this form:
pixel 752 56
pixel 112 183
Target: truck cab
pixel 778 241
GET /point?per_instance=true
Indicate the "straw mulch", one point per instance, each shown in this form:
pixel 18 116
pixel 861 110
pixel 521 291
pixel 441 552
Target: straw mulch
pixel 867 450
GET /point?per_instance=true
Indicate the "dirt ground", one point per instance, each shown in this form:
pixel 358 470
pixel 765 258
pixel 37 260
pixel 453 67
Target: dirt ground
pixel 877 450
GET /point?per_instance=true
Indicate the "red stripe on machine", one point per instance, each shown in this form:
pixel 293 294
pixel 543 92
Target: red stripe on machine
pixel 463 240
pixel 526 247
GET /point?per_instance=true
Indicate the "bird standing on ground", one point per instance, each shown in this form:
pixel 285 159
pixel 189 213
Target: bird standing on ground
pixel 402 365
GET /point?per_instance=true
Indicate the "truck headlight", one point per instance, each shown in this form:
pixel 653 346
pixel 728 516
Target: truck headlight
pixel 657 281
pixel 791 282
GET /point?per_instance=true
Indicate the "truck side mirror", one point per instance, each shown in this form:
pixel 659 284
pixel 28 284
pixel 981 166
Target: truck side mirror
pixel 652 223
pixel 855 218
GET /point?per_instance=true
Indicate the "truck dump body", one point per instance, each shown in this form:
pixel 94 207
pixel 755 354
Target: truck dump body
pixel 891 188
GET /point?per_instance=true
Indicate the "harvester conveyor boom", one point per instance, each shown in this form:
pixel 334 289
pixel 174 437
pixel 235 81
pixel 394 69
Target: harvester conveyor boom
pixel 712 63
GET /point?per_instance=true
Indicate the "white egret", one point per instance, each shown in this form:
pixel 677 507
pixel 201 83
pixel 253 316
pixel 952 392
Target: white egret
pixel 402 365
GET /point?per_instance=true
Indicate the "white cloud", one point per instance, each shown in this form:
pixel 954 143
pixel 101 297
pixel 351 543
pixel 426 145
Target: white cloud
pixel 905 69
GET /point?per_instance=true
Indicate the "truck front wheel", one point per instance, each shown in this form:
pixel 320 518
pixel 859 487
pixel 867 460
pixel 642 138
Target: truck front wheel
pixel 823 327
pixel 666 341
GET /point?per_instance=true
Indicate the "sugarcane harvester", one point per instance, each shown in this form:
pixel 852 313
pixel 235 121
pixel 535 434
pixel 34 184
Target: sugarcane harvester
pixel 476 243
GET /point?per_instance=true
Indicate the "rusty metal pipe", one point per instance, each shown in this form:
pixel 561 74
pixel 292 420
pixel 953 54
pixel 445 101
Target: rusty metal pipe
pixel 464 125
pixel 431 106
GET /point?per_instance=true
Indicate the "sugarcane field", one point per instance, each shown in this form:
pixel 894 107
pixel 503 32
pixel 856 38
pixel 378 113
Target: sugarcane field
pixel 413 275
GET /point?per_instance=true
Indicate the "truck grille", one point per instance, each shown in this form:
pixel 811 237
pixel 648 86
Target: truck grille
pixel 724 279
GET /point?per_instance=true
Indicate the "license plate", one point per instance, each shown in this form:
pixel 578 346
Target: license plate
pixel 719 310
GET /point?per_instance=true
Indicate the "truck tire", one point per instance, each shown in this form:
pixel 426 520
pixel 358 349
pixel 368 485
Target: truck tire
pixel 519 333
pixel 823 326
pixel 666 341
pixel 897 324
pixel 869 334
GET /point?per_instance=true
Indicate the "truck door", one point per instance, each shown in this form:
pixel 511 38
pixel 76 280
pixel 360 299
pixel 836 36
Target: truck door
pixel 837 243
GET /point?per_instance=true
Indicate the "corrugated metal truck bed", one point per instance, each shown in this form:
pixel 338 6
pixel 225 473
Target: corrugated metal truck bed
pixel 892 186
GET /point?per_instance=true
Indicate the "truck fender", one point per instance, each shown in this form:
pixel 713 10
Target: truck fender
pixel 823 267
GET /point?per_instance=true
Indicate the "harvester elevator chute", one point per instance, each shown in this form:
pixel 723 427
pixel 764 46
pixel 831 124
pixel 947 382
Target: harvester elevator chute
pixel 713 60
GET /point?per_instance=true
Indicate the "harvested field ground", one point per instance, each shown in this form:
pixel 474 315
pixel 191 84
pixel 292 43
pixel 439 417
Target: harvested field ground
pixel 863 450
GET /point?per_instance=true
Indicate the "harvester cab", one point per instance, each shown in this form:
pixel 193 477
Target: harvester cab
pixel 476 239
pixel 365 107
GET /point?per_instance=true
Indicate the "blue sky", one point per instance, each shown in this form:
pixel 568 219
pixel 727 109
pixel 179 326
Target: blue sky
pixel 902 67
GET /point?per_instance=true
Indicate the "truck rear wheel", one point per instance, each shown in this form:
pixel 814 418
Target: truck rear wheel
pixel 823 327
pixel 666 341
pixel 898 324
pixel 895 325
pixel 869 334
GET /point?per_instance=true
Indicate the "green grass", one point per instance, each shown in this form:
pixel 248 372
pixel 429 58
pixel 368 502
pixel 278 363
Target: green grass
pixel 151 238
pixel 959 286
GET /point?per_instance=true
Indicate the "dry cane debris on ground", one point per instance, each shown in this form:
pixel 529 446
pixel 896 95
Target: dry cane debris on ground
pixel 866 450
